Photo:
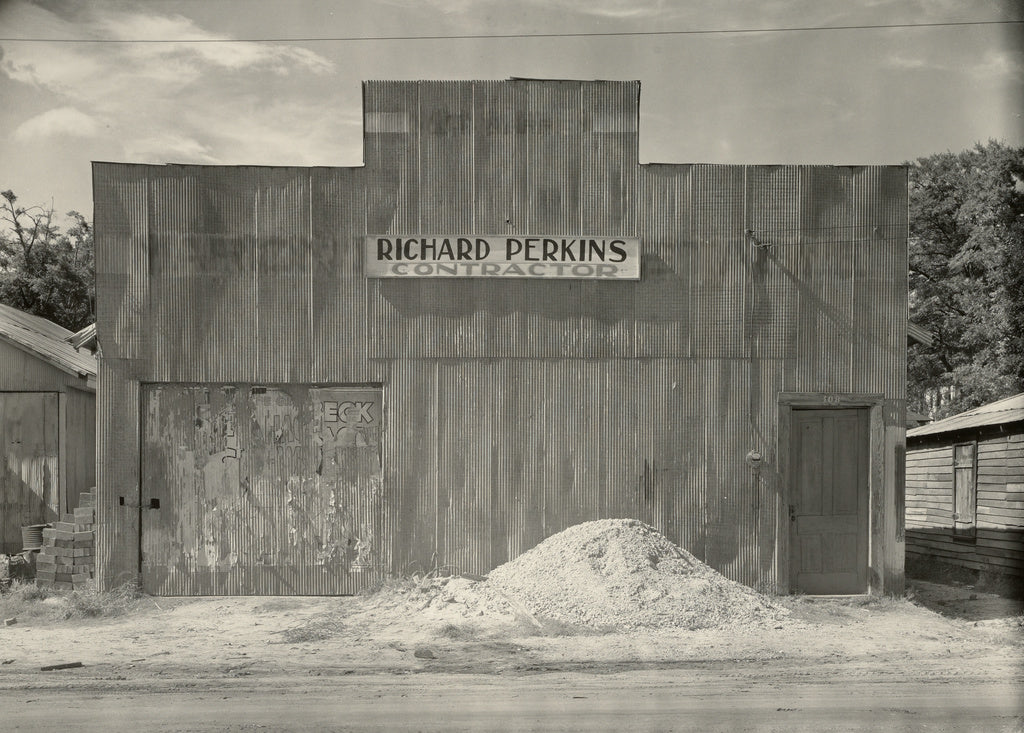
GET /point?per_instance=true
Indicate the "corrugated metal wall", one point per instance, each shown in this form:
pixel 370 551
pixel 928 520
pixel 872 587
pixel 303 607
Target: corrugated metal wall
pixel 517 408
pixel 73 428
pixel 29 464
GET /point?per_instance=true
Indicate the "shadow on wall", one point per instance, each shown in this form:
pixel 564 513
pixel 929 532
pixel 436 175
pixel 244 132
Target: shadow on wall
pixel 22 505
pixel 609 301
pixel 925 564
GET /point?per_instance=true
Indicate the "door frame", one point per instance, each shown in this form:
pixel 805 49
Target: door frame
pixel 788 401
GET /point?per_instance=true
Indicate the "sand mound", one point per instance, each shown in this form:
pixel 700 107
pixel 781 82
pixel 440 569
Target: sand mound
pixel 624 574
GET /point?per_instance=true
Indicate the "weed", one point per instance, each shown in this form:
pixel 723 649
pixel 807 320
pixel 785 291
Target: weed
pixel 99 604
pixel 23 598
pixel 32 601
pixel 318 629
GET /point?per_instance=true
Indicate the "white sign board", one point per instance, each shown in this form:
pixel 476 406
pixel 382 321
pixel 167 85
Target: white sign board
pixel 507 256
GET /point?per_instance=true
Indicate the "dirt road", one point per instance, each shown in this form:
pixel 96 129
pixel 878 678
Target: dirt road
pixel 739 699
pixel 236 664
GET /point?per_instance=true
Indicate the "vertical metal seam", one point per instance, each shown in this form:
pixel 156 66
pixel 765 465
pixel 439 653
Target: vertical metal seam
pixel 582 157
pixel 419 157
pixel 313 371
pixel 437 458
pixel 472 152
pixel 256 280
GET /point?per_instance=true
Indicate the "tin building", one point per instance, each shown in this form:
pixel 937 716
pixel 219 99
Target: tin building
pixel 499 326
pixel 47 424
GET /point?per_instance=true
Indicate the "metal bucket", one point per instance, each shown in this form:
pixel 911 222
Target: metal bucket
pixel 32 536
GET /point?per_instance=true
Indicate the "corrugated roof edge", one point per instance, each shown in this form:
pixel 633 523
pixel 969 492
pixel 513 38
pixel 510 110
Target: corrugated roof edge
pixel 1000 412
pixel 45 340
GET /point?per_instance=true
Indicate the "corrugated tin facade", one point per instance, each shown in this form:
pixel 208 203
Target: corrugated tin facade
pixel 515 408
pixel 965 489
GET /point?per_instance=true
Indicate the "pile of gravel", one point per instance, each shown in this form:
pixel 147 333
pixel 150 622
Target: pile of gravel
pixel 624 574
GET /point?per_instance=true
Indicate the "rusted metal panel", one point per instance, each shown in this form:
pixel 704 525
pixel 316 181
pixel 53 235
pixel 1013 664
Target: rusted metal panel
pixel 338 296
pixel 117 476
pixel 252 490
pixel 772 257
pixel 284 276
pixel 493 456
pixel 80 460
pixel 717 263
pixel 446 165
pixel 173 202
pixel 662 298
pixel 410 464
pixel 726 421
pixel 29 459
pixel 880 280
pixel 203 238
pixel 121 201
pixel 464 440
pixel 494 157
pixel 826 322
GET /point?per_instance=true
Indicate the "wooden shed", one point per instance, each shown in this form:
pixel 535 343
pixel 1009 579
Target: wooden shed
pixel 47 423
pixel 965 488
pixel 501 325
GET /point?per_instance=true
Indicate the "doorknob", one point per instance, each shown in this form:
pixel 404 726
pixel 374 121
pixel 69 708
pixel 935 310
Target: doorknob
pixel 792 513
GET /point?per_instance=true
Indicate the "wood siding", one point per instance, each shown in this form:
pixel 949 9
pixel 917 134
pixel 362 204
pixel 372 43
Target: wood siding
pixel 517 408
pixel 998 544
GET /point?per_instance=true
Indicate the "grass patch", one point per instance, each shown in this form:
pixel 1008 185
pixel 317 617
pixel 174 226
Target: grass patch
pixel 99 604
pixel 318 629
pixel 27 600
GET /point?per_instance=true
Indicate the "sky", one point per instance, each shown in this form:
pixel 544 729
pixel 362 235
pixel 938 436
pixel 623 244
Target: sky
pixel 225 82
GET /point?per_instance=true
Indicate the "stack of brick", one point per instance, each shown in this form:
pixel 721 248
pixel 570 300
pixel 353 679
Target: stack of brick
pixel 66 560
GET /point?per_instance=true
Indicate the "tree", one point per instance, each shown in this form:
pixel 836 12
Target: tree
pixel 967 277
pixel 43 270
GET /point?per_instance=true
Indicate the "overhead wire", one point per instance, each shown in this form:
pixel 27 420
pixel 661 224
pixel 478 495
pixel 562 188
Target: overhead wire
pixel 520 36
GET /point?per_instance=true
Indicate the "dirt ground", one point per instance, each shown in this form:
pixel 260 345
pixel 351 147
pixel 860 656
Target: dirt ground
pixel 944 631
pixel 396 659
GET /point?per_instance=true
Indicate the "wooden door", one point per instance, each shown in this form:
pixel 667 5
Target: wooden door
pixel 965 494
pixel 252 490
pixel 829 501
pixel 29 464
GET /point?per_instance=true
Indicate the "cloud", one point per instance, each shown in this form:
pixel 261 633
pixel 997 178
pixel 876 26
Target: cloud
pixel 169 148
pixel 998 65
pixel 62 122
pixel 201 102
pixel 214 49
pixel 896 61
pixel 97 70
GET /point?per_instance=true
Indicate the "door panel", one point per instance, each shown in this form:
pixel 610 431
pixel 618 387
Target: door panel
pixel 29 461
pixel 260 490
pixel 829 511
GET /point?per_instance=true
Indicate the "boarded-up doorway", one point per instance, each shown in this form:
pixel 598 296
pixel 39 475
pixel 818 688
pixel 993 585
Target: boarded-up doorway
pixel 29 464
pixel 830 468
pixel 260 490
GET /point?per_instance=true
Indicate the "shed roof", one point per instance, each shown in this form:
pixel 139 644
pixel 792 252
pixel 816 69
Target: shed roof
pixel 86 338
pixel 46 340
pixel 1003 411
pixel 919 334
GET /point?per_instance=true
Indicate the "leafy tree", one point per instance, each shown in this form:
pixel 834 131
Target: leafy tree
pixel 967 277
pixel 43 270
